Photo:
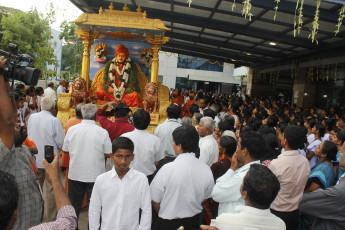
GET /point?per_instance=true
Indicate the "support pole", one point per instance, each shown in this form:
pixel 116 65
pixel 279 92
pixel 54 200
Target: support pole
pixel 156 41
pixel 88 37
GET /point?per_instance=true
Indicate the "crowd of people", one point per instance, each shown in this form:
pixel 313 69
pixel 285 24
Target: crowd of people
pixel 217 162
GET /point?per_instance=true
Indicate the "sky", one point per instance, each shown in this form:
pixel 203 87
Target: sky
pixel 64 9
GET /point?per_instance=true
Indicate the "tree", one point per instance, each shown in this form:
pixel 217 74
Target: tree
pixel 31 32
pixel 72 51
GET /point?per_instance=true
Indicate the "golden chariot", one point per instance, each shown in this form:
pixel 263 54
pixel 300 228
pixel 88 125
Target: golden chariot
pixel 119 26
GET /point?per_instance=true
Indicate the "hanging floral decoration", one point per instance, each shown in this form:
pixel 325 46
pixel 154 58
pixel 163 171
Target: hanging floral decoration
pixel 233 5
pixel 246 9
pixel 340 20
pixel 297 26
pixel 300 17
pixel 276 9
pixel 315 22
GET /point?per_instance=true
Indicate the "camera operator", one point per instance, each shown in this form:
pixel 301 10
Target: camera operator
pixel 16 160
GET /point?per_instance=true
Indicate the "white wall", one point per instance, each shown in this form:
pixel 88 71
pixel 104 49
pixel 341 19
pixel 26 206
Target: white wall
pixel 168 69
pixel 56 43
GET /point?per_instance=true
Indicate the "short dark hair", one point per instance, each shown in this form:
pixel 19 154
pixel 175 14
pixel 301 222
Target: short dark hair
pixel 8 198
pixel 38 90
pixel 18 96
pixel 30 89
pixel 229 144
pixel 225 125
pixel 282 126
pixel 121 113
pixel 254 123
pixel 209 113
pixel 188 137
pixel 271 147
pixel 254 143
pixel 330 124
pixel 19 86
pixel 261 185
pixel 141 119
pixel 330 149
pixel 294 136
pixel 194 108
pixel 245 129
pixel 266 130
pixel 321 128
pixel 311 122
pixel 272 122
pixel 122 143
pixel 173 111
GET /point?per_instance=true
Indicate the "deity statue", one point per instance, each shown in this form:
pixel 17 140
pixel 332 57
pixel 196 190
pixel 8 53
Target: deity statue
pixel 101 52
pixel 79 92
pixel 120 81
pixel 150 102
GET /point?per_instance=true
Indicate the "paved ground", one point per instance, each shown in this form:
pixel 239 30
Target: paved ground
pixel 83 220
pixel 83 216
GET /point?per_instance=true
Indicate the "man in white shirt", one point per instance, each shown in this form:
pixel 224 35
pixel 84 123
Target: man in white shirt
pixel 118 194
pixel 250 149
pixel 45 129
pixel 147 147
pixel 61 88
pixel 209 151
pixel 164 131
pixel 259 188
pixel 87 144
pixel 49 91
pixel 202 105
pixel 180 187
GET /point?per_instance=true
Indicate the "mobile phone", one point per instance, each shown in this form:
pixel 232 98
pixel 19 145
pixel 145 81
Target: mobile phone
pixel 49 153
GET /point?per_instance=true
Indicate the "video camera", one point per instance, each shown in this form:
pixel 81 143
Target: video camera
pixel 27 75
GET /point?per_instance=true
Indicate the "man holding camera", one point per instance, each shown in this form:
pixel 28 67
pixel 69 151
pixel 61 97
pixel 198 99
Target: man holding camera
pixel 16 160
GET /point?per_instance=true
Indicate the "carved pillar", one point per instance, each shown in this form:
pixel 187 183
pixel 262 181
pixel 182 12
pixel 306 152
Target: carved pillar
pixel 88 37
pixel 156 41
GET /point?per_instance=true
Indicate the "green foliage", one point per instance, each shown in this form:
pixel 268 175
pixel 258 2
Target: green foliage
pixel 31 32
pixel 72 51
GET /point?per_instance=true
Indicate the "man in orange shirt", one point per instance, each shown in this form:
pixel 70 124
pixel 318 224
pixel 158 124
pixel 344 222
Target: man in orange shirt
pixel 188 104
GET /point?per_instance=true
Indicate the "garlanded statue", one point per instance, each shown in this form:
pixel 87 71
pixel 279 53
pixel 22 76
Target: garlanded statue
pixel 120 81
pixel 101 52
pixel 150 102
pixel 79 92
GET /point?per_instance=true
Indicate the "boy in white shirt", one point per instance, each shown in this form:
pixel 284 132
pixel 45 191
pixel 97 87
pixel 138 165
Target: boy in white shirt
pixel 118 194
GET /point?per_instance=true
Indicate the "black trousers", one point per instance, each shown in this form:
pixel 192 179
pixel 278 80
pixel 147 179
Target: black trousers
pixel 291 219
pixel 76 191
pixel 189 223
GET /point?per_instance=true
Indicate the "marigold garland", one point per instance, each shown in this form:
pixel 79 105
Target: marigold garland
pixel 340 20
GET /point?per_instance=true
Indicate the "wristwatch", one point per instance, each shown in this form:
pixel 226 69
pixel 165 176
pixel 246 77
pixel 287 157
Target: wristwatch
pixel 1 71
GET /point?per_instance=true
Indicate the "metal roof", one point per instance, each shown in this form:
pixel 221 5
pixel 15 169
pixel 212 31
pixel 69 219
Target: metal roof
pixel 211 29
